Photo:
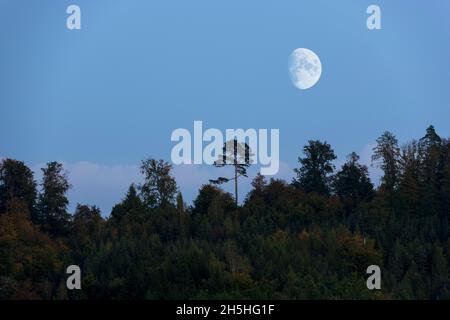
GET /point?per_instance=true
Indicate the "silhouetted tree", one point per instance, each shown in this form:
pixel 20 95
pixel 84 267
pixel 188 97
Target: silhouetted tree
pixel 352 182
pixel 409 188
pixel 206 195
pixel 315 168
pixel 386 156
pixel 159 187
pixel 430 157
pixel 85 214
pixel 444 185
pixel 53 202
pixel 16 182
pixel 239 156
pixel 132 205
pixel 258 183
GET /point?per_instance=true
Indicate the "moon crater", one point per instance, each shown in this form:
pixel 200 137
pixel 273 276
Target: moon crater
pixel 305 68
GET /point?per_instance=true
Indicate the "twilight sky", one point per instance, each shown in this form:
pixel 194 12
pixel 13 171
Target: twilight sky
pixel 102 98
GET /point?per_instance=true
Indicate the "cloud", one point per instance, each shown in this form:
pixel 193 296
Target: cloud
pixel 285 172
pixel 190 175
pixel 106 185
pixel 96 184
pixel 101 185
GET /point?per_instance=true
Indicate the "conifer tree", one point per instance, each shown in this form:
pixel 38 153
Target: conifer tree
pixel 239 156
pixel 386 156
pixel 53 202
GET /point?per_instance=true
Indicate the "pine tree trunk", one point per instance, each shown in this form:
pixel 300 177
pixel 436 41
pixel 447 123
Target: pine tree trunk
pixel 235 185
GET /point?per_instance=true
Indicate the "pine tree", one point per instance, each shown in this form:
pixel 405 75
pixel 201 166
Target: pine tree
pixel 53 202
pixel 258 183
pixel 239 156
pixel 386 156
pixel 430 156
pixel 132 205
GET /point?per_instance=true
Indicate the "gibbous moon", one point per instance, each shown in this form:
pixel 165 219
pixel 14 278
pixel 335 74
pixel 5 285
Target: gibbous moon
pixel 305 68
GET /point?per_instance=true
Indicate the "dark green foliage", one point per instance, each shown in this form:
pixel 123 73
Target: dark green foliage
pixel 316 166
pixel 159 187
pixel 52 203
pixel 287 241
pixel 16 182
pixel 131 207
pixel 352 182
pixel 386 155
pixel 207 194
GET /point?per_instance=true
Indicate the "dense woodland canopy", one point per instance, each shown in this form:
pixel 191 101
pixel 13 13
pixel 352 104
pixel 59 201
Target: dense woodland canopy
pixel 310 238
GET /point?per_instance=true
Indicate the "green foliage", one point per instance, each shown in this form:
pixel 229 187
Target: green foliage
pixel 316 166
pixel 386 155
pixel 31 264
pixel 207 194
pixel 159 187
pixel 52 203
pixel 312 239
pixel 352 182
pixel 16 182
pixel 130 208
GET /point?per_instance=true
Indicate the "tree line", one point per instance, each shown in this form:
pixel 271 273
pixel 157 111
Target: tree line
pixel 309 238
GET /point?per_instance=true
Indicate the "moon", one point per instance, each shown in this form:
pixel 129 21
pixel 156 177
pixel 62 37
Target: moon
pixel 305 68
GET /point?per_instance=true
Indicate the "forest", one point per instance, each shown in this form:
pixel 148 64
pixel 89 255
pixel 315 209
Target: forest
pixel 309 238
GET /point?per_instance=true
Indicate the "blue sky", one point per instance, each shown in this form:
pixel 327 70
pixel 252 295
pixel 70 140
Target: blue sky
pixel 102 98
